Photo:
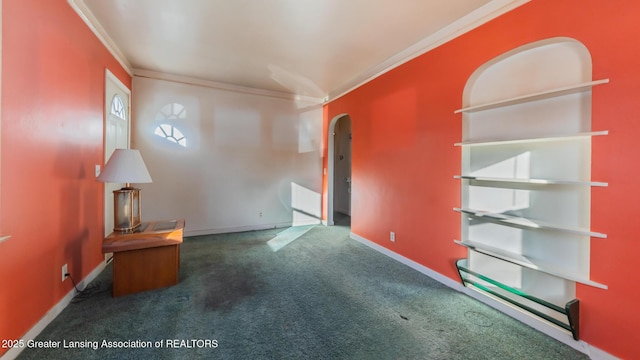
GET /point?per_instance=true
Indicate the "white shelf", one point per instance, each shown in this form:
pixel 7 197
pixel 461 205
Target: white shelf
pixel 535 96
pixel 521 222
pixel 529 140
pixel 528 262
pixel 531 181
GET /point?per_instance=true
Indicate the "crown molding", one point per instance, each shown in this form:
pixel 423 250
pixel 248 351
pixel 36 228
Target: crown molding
pixel 474 19
pixel 223 86
pixel 94 25
pixel 465 24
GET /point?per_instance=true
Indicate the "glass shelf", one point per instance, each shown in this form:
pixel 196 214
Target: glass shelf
pixel 524 261
pixel 535 96
pixel 520 222
pixel 538 139
pixel 531 181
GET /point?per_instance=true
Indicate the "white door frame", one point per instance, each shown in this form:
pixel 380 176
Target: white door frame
pixel 331 165
pixel 108 195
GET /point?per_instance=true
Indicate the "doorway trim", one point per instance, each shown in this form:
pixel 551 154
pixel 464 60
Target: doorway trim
pixel 118 86
pixel 331 165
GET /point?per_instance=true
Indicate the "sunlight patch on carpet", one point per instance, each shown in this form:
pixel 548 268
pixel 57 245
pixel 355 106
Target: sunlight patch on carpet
pixel 287 236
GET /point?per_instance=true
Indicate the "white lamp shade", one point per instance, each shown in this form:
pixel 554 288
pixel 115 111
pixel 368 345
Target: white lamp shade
pixel 125 166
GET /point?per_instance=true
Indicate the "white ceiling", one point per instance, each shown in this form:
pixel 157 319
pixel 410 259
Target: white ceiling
pixel 315 48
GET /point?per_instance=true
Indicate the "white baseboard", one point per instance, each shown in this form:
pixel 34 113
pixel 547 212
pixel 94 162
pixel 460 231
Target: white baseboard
pixel 520 315
pixel 597 354
pixel 235 229
pixel 53 313
pixel 410 263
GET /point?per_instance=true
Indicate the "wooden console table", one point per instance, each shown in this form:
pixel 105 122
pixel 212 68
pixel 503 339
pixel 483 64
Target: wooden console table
pixel 146 258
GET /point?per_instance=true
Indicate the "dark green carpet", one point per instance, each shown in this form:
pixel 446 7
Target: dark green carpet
pixel 323 296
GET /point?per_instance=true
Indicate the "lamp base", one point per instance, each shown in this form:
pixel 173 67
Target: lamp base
pixel 127 229
pixel 126 209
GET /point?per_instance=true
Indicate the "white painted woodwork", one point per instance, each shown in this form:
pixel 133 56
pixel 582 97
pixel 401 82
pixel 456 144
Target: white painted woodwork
pixel 528 261
pixel 116 137
pixel 526 158
pixel 506 141
pixel 535 96
pixel 487 179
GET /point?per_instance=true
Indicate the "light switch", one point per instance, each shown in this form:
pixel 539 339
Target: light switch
pixel 97 170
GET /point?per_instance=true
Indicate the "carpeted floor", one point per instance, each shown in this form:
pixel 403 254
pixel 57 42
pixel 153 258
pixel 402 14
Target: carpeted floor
pixel 320 296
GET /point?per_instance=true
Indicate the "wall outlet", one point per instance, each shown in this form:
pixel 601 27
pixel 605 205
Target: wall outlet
pixel 260 214
pixel 64 271
pixel 392 236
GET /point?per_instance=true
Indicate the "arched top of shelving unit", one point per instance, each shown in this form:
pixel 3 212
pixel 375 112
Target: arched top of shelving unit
pixel 566 63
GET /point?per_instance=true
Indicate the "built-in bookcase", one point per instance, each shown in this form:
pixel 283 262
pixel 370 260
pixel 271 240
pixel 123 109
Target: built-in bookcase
pixel 526 179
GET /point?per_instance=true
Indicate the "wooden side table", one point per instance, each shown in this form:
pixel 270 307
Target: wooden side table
pixel 147 258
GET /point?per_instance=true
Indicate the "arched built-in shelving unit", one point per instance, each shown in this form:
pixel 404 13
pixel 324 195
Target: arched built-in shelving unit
pixel 526 179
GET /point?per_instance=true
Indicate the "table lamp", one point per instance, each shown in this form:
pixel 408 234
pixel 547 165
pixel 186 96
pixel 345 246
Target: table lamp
pixel 125 166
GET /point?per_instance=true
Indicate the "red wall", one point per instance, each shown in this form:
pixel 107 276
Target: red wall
pixel 404 160
pixel 53 71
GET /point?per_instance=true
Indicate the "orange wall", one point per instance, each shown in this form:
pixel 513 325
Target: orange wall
pixel 404 160
pixel 53 71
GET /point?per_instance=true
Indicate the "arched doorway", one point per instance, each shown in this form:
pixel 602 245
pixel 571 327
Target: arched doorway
pixel 339 171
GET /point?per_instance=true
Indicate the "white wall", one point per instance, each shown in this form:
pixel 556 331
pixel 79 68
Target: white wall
pixel 250 161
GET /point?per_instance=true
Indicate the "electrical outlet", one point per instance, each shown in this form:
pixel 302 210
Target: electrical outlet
pixel 64 271
pixel 260 214
pixel 392 236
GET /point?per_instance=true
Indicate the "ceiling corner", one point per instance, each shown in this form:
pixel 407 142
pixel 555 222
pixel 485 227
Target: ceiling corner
pixel 87 16
pixel 474 19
